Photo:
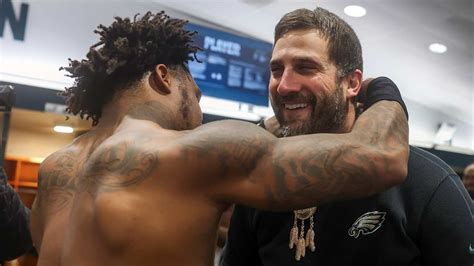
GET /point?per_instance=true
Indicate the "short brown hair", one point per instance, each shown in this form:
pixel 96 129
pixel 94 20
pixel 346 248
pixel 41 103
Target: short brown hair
pixel 344 47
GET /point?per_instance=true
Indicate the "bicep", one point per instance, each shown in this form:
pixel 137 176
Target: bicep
pixel 226 148
pixel 226 155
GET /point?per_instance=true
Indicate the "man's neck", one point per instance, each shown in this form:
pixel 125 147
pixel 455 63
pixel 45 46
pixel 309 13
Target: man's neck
pixel 153 111
pixel 114 112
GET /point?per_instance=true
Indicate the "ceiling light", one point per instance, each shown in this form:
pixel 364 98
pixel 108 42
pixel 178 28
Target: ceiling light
pixel 438 48
pixel 63 129
pixel 355 11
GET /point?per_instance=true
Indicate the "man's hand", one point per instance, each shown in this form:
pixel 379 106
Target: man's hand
pixel 361 97
pixel 271 125
pixel 381 88
pixel 224 226
pixel 365 83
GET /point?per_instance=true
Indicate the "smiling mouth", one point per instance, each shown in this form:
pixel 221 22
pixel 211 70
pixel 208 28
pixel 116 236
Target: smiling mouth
pixel 295 106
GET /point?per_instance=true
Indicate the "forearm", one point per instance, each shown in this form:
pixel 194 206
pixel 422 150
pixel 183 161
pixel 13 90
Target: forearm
pixel 384 129
pixel 312 169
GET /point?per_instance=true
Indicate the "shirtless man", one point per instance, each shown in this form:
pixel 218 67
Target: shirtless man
pixel 147 185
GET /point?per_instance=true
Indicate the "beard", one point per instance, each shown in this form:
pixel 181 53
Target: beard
pixel 327 116
pixel 184 109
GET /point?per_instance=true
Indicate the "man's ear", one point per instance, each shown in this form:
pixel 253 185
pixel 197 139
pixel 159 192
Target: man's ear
pixel 160 79
pixel 354 82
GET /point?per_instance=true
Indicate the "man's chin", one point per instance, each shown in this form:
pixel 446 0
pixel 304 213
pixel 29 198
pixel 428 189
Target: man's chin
pixel 295 128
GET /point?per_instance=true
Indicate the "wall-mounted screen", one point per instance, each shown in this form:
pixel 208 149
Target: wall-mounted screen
pixel 233 67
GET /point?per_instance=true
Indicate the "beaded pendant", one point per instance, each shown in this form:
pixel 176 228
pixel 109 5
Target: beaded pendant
pixel 298 238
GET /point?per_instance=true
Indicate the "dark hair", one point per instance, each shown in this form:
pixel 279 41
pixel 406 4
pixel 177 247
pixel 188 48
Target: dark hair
pixel 126 51
pixel 344 47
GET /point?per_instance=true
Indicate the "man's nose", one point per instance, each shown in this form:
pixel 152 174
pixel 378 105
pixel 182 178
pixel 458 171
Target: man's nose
pixel 288 84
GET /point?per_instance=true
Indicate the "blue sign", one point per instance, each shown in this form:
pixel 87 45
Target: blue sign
pixel 18 26
pixel 233 67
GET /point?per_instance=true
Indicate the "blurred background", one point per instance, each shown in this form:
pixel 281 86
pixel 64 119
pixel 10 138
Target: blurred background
pixel 425 46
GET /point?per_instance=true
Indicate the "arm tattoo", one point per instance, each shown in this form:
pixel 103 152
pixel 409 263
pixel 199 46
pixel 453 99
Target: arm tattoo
pixel 338 166
pixel 280 182
pixel 228 146
pixel 119 166
pixel 56 183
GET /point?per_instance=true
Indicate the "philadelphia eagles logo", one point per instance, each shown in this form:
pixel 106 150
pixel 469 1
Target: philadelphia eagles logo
pixel 367 224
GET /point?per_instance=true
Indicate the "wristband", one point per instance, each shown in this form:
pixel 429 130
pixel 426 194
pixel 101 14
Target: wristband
pixel 383 88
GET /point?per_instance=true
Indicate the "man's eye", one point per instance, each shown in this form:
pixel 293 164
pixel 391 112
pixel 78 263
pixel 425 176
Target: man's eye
pixel 306 67
pixel 276 70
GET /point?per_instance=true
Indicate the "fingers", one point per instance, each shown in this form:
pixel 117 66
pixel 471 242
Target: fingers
pixel 272 125
pixel 365 83
pixel 362 96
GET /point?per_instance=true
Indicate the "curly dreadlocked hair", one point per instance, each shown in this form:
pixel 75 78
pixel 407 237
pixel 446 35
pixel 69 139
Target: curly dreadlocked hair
pixel 126 51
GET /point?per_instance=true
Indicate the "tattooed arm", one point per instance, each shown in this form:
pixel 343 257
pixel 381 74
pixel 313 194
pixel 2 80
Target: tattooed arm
pixel 56 187
pixel 260 170
pixel 366 161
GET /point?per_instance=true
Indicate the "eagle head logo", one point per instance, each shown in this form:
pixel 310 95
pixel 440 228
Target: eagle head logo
pixel 367 224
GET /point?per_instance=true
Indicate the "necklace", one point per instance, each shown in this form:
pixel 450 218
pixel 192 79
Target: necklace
pixel 298 239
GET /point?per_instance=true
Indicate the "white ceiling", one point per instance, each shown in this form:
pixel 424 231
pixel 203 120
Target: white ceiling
pixel 395 36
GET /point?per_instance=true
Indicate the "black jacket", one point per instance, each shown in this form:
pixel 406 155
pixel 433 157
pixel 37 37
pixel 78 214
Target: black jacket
pixel 15 238
pixel 427 220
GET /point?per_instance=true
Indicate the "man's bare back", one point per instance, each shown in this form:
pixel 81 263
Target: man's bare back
pixel 123 199
pixel 148 184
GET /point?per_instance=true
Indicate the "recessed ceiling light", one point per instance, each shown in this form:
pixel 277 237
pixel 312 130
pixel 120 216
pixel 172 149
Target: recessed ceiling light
pixel 355 11
pixel 438 48
pixel 63 129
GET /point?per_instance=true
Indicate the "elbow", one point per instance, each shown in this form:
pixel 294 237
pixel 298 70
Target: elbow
pixel 394 169
pixel 397 175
